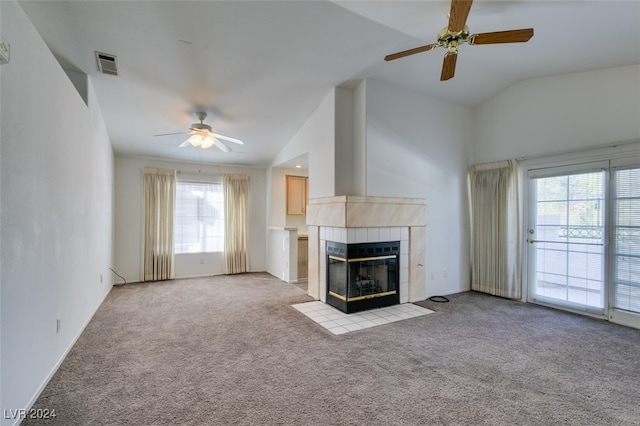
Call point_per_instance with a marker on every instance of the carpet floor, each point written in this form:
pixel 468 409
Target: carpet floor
pixel 231 350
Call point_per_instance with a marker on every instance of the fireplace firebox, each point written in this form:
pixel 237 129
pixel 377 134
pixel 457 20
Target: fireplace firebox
pixel 362 276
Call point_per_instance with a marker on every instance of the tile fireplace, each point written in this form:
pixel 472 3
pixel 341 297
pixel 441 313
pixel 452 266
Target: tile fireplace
pixel 348 236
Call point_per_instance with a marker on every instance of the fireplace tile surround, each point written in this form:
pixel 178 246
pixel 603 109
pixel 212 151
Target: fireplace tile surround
pixel 355 219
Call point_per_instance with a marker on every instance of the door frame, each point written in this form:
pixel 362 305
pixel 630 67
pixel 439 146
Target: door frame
pixel 622 153
pixel 529 250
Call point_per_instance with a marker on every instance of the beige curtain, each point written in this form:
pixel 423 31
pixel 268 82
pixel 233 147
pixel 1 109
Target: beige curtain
pixel 159 186
pixel 495 248
pixel 236 196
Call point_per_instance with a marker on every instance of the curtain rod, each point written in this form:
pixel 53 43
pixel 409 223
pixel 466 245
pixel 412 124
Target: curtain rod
pixel 576 150
pixel 198 173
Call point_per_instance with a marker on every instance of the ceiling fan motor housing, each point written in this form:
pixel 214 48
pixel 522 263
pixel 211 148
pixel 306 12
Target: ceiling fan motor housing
pixel 451 41
pixel 200 126
pixel 457 33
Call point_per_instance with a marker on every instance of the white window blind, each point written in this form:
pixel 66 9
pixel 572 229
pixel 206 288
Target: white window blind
pixel 199 218
pixel 626 239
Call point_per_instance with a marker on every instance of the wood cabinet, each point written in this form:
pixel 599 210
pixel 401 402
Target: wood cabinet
pixel 303 257
pixel 297 197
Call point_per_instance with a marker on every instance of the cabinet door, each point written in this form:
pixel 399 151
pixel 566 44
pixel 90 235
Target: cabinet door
pixel 296 194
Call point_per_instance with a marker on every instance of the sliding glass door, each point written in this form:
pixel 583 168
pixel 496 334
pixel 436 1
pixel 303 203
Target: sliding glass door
pixel 583 237
pixel 566 237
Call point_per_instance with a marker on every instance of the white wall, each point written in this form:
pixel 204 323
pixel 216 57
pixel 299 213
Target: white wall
pixel 417 147
pixel 398 144
pixel 282 247
pixel 359 185
pixel 1 233
pixel 316 137
pixel 278 199
pixel 559 113
pixel 282 253
pixel 319 131
pixel 344 142
pixel 57 212
pixel 129 212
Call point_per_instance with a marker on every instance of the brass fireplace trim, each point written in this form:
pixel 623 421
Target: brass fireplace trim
pixel 363 259
pixel 338 296
pixel 368 296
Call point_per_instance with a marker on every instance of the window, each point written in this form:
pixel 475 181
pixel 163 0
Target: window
pixel 626 238
pixel 199 218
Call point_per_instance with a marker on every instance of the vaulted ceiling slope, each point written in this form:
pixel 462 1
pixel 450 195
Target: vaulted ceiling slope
pixel 258 68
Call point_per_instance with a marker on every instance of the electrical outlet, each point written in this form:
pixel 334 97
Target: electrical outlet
pixel 433 276
pixel 58 321
pixel 202 261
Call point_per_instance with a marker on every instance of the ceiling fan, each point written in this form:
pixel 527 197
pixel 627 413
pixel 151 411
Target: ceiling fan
pixel 457 33
pixel 203 137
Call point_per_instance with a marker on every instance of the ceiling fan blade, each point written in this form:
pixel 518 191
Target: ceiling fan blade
pixel 184 144
pixel 228 139
pixel 411 52
pixel 449 66
pixel 169 134
pixel 511 36
pixel 458 15
pixel 222 146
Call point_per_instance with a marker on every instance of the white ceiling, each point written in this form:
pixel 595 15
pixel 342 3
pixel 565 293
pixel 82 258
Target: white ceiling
pixel 260 68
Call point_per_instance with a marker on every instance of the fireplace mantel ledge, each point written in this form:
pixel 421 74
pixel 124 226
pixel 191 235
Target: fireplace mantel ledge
pixel 350 211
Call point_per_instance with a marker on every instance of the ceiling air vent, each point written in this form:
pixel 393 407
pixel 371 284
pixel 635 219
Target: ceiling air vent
pixel 107 63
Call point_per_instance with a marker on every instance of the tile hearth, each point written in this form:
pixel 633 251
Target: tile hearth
pixel 338 322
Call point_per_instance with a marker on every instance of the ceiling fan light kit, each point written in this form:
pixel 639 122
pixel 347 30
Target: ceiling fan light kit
pixel 202 136
pixel 457 33
pixel 200 141
pixel 450 38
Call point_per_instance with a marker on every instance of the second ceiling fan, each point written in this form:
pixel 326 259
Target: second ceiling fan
pixel 202 136
pixel 457 33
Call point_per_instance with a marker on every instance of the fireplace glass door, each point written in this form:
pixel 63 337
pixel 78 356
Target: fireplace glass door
pixel 372 277
pixel 362 276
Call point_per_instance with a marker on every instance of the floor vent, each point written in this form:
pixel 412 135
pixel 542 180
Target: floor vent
pixel 107 63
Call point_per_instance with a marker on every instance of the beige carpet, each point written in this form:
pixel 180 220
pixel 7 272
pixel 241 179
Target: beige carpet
pixel 232 350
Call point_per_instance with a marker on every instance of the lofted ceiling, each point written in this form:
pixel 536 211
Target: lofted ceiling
pixel 259 68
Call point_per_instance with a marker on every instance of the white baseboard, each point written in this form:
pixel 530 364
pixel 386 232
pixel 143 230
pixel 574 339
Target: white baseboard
pixel 55 368
pixel 196 276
